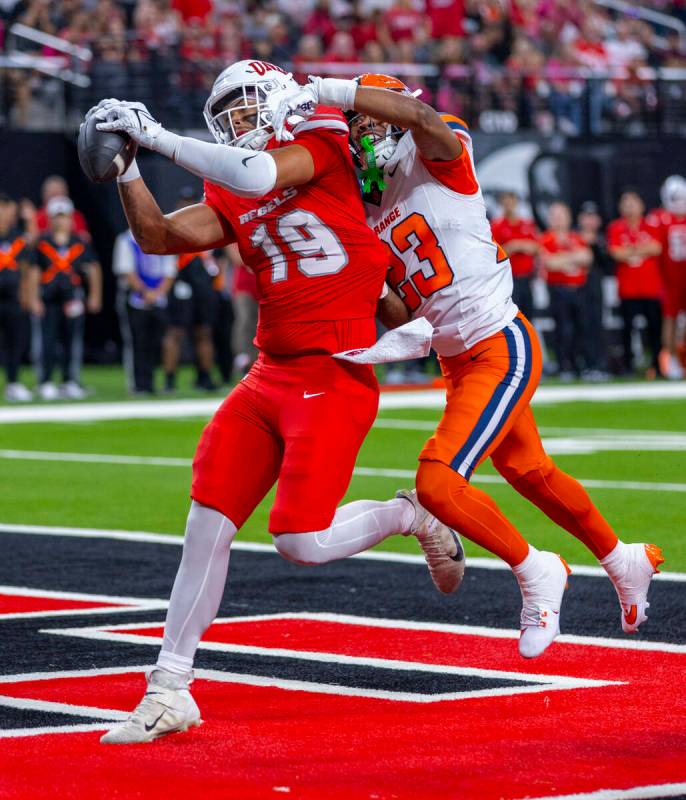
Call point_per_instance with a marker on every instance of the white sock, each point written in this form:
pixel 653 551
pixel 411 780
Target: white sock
pixel 356 527
pixel 198 588
pixel 530 568
pixel 615 561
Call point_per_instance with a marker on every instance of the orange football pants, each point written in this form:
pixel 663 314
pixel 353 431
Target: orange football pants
pixel 488 414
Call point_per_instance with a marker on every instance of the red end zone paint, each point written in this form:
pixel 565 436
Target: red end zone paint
pixel 22 604
pixel 319 745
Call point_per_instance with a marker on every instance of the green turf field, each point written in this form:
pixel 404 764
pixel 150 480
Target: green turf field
pixel 154 496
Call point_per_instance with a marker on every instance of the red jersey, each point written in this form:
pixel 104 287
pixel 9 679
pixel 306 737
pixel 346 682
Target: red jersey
pixel 672 230
pixel 319 267
pixel 504 231
pixel 551 243
pixel 639 278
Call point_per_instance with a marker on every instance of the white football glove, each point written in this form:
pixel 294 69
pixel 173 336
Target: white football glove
pixel 291 106
pixel 100 111
pixel 134 119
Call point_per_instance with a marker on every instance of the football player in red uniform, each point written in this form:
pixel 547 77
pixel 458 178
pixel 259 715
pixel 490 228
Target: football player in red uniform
pixel 300 415
pixel 670 220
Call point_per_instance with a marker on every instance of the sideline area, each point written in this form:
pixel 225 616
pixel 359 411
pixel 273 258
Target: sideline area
pixel 426 398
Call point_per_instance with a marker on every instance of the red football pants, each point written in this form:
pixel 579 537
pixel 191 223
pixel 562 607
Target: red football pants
pixel 300 420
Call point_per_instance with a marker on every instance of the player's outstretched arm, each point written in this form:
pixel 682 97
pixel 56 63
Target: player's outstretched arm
pixel 434 138
pixel 243 172
pixel 188 230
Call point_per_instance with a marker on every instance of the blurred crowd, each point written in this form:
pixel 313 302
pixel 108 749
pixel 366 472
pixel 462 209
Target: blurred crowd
pixel 532 59
pixel 202 307
pixel 199 307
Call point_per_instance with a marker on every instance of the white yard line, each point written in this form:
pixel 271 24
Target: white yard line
pixel 426 398
pixel 360 472
pixel 261 547
pixel 657 790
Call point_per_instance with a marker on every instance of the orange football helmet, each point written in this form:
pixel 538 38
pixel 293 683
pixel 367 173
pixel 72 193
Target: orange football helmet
pixel 382 138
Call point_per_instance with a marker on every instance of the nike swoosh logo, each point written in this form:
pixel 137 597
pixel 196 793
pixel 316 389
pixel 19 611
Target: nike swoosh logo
pixel 247 158
pixel 148 728
pixel 459 553
pixel 632 615
pixel 474 357
pixel 395 169
pixel 307 395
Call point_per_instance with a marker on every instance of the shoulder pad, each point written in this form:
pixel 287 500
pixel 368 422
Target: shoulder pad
pixel 324 119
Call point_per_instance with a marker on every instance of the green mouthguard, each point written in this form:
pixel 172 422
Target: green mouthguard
pixel 372 174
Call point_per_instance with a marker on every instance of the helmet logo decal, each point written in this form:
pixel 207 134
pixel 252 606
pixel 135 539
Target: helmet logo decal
pixel 263 67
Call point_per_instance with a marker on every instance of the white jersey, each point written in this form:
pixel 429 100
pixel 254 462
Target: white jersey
pixel 444 262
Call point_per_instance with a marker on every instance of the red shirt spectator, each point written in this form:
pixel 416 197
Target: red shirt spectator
pixel 638 273
pixel 446 16
pixel 192 9
pixel 403 21
pixel 555 243
pixel 518 236
pixel 672 229
pixel 321 24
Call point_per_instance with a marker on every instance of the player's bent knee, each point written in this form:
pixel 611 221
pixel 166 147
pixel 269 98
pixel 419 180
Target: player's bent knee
pixel 439 488
pixel 525 473
pixel 301 548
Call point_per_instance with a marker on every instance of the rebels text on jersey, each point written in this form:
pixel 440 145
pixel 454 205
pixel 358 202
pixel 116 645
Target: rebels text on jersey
pixel 444 263
pixel 319 267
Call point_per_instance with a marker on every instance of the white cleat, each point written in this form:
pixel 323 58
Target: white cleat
pixel 631 569
pixel 167 707
pixel 541 600
pixel 18 393
pixel 48 391
pixel 72 391
pixel 442 547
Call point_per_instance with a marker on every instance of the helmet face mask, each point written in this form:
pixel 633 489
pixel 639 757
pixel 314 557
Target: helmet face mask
pixel 382 136
pixel 237 111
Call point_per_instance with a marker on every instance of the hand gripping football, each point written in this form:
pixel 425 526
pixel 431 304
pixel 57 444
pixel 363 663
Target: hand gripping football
pixel 104 155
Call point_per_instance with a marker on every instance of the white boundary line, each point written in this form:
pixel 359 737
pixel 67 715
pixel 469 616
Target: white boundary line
pixel 434 627
pixel 259 547
pixel 541 682
pixel 657 791
pixel 109 633
pixel 366 472
pixel 425 398
pixel 119 604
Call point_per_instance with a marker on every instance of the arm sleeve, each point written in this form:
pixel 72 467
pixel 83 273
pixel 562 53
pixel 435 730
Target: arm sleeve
pixel 246 173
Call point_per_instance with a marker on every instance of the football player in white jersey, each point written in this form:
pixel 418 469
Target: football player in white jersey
pixel 423 199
